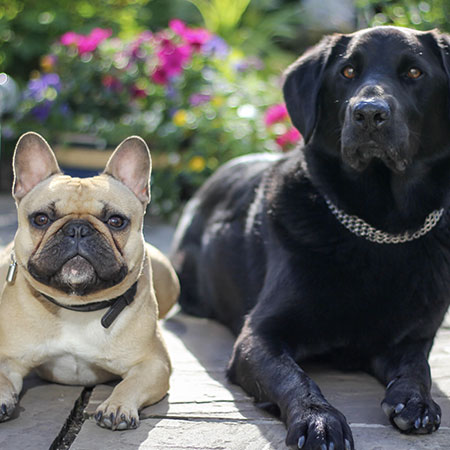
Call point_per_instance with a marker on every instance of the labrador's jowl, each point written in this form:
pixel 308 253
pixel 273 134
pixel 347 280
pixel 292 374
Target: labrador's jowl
pixel 340 250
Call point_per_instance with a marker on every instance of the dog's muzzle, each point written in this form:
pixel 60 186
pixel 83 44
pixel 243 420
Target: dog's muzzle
pixel 368 133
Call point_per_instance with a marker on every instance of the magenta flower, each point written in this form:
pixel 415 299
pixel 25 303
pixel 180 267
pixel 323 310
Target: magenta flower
pixel 275 113
pixel 70 38
pixel 292 136
pixel 159 76
pixel 199 99
pixel 86 44
pixel 171 58
pixel 137 92
pixel 195 37
pixel 112 83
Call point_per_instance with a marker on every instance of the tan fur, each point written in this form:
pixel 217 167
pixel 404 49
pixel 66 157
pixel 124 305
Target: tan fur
pixel 72 347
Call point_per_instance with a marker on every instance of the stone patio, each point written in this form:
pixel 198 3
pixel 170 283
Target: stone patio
pixel 203 410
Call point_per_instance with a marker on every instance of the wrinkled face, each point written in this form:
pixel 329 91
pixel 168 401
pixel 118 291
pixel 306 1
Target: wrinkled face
pixel 80 236
pixel 388 93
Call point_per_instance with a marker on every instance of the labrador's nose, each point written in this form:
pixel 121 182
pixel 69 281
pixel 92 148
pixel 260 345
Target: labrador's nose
pixel 371 114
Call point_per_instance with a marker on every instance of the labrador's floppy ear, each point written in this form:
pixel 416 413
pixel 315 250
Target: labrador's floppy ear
pixel 443 41
pixel 131 164
pixel 302 83
pixel 33 162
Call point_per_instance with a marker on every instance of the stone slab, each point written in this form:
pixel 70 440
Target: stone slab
pixel 204 411
pixel 42 411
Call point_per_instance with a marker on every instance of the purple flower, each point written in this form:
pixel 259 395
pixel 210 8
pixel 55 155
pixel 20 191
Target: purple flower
pixel 198 99
pixel 252 62
pixel 42 111
pixel 37 87
pixel 171 92
pixel 216 46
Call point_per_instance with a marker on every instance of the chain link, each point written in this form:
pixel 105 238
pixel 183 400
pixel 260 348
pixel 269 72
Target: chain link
pixel 361 228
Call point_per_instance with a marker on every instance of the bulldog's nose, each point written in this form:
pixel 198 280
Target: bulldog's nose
pixel 78 229
pixel 371 114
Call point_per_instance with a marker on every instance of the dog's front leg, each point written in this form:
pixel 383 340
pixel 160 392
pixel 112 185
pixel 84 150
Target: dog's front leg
pixel 144 384
pixel 266 370
pixel 11 381
pixel 405 371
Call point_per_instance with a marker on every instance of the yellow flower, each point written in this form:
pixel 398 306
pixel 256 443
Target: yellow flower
pixel 197 163
pixel 217 101
pixel 180 118
pixel 47 63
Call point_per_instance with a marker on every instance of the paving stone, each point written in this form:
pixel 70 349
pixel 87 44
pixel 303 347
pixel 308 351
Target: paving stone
pixel 42 412
pixel 154 434
pixel 204 411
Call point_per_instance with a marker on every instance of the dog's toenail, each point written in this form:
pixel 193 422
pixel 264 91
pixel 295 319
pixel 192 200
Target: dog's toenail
pixel 399 408
pixel 301 442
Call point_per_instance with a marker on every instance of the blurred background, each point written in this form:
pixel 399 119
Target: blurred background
pixel 199 80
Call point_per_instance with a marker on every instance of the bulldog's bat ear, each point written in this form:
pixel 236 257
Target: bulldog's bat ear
pixel 33 162
pixel 131 164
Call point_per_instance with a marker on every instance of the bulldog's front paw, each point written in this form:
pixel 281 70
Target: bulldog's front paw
pixel 320 427
pixel 409 410
pixel 8 402
pixel 116 416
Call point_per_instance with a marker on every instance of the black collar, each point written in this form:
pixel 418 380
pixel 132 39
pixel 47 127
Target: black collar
pixel 115 305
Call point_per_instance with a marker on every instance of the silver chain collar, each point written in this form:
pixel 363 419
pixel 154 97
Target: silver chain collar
pixel 362 229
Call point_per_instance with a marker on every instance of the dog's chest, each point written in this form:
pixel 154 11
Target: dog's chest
pixel 80 353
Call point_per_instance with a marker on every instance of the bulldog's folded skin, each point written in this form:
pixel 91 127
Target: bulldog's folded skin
pixel 80 305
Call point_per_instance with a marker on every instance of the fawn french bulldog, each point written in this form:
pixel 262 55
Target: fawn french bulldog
pixel 81 292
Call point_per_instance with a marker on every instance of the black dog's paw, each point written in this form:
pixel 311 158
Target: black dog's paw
pixel 409 410
pixel 320 428
pixel 8 404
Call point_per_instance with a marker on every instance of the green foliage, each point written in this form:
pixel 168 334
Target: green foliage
pixel 195 100
pixel 221 16
pixel 418 14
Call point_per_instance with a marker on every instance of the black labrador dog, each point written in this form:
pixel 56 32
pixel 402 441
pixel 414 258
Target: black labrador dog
pixel 339 250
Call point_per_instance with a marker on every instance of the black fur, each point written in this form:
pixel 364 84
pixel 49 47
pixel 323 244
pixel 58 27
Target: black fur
pixel 259 250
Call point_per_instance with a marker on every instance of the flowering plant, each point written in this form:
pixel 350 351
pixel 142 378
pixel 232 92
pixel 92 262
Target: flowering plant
pixel 195 100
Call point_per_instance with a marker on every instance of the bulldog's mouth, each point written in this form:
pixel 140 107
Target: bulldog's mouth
pixel 77 274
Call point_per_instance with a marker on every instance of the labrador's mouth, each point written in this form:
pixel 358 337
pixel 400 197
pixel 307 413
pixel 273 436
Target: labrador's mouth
pixel 360 157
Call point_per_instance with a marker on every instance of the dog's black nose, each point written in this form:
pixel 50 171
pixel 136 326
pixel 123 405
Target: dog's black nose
pixel 78 229
pixel 371 114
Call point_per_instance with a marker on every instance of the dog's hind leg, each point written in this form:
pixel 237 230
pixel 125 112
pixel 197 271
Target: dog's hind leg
pixel 405 371
pixel 268 372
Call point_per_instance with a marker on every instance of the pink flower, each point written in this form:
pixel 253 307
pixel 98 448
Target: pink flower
pixel 195 37
pixel 112 83
pixel 173 57
pixel 171 60
pixel 292 136
pixel 86 44
pixel 137 92
pixel 275 113
pixel 70 38
pixel 90 42
pixel 159 76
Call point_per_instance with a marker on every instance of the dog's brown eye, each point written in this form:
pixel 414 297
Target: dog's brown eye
pixel 116 222
pixel 41 220
pixel 414 73
pixel 349 72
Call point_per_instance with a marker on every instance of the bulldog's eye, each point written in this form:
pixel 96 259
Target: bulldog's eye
pixel 117 222
pixel 349 72
pixel 414 73
pixel 41 220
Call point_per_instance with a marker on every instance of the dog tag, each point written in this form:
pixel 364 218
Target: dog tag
pixel 11 275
